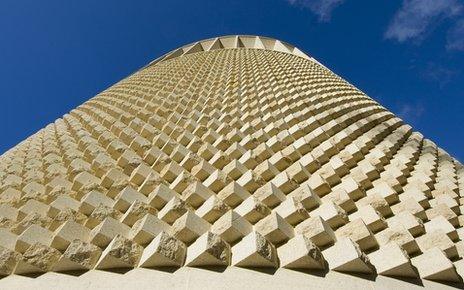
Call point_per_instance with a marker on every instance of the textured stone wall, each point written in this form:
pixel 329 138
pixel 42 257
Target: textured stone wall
pixel 232 157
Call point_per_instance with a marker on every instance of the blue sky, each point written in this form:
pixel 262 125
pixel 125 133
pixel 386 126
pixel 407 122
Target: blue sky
pixel 407 54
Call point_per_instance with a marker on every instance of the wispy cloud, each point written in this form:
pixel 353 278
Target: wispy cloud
pixel 411 113
pixel 455 39
pixel 322 8
pixel 416 18
pixel 438 73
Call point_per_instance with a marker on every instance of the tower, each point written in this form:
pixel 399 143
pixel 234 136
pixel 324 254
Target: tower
pixel 230 162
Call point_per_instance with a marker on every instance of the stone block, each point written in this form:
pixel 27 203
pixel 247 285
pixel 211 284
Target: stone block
pixel 358 232
pixel 233 194
pixel 120 253
pixel 275 229
pixel 437 239
pixel 284 183
pixel 254 251
pixel 68 232
pixel 163 251
pixel 266 170
pixel 250 181
pixel 208 250
pixel 136 211
pixel 10 194
pixel 346 256
pixel 341 198
pixel 354 190
pixel 62 203
pixel 377 202
pixel 173 210
pixel 410 205
pixel 78 256
pixel 151 182
pixel 126 197
pixel 8 261
pixel 392 260
pixel 114 177
pixel 109 228
pixel 91 200
pixel 99 214
pixel 400 236
pixel 333 214
pixel 309 162
pixel 306 196
pixel 38 258
pixel 84 181
pixel 270 195
pixel 440 223
pixel 442 210
pixel 372 218
pixel 202 170
pixel 196 194
pixel 407 220
pixel 231 227
pixel 300 253
pixel 434 265
pixel 140 173
pixel 7 239
pixel 159 197
pixel 220 159
pixel 212 209
pixel 129 160
pixel 144 230
pixel 235 169
pixel 279 161
pixel 252 209
pixel 327 173
pixel 416 194
pixel 182 181
pixel 318 185
pixel 32 235
pixel 384 190
pixel 189 227
pixel 190 160
pixel 170 171
pixel 292 210
pixel 11 213
pixel 34 206
pixel 297 172
pixel 317 230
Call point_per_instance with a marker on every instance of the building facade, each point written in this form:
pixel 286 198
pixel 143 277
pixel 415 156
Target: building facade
pixel 238 161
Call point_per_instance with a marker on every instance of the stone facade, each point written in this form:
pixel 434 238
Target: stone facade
pixel 238 151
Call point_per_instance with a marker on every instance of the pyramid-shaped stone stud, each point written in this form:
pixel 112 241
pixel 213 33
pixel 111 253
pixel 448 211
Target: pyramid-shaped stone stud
pixel 391 260
pixel 254 251
pixel 79 256
pixel 164 251
pixel 231 227
pixel 38 258
pixel 346 256
pixel 120 253
pixel 8 261
pixel 300 253
pixel 208 250
pixel 434 265
pixel 147 228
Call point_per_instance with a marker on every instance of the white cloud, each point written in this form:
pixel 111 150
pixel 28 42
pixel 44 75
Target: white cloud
pixel 455 39
pixel 416 17
pixel 411 113
pixel 322 8
pixel 438 73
